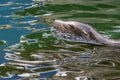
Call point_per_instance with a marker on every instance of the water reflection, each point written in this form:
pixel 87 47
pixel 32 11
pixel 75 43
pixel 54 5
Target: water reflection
pixel 55 54
pixel 41 55
pixel 12 27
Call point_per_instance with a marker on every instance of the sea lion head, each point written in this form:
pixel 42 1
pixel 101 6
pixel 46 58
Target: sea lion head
pixel 75 31
pixel 64 26
pixel 76 28
pixel 80 32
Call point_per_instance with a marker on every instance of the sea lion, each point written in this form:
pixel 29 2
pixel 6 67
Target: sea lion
pixel 83 33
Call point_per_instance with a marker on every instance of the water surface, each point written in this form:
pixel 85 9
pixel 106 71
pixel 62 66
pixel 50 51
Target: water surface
pixel 30 42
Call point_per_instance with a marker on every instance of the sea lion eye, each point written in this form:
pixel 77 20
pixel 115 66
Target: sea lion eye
pixel 69 27
pixel 66 26
pixel 72 27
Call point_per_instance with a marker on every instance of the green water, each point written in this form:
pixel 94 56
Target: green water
pixel 2 42
pixel 102 15
pixel 102 63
